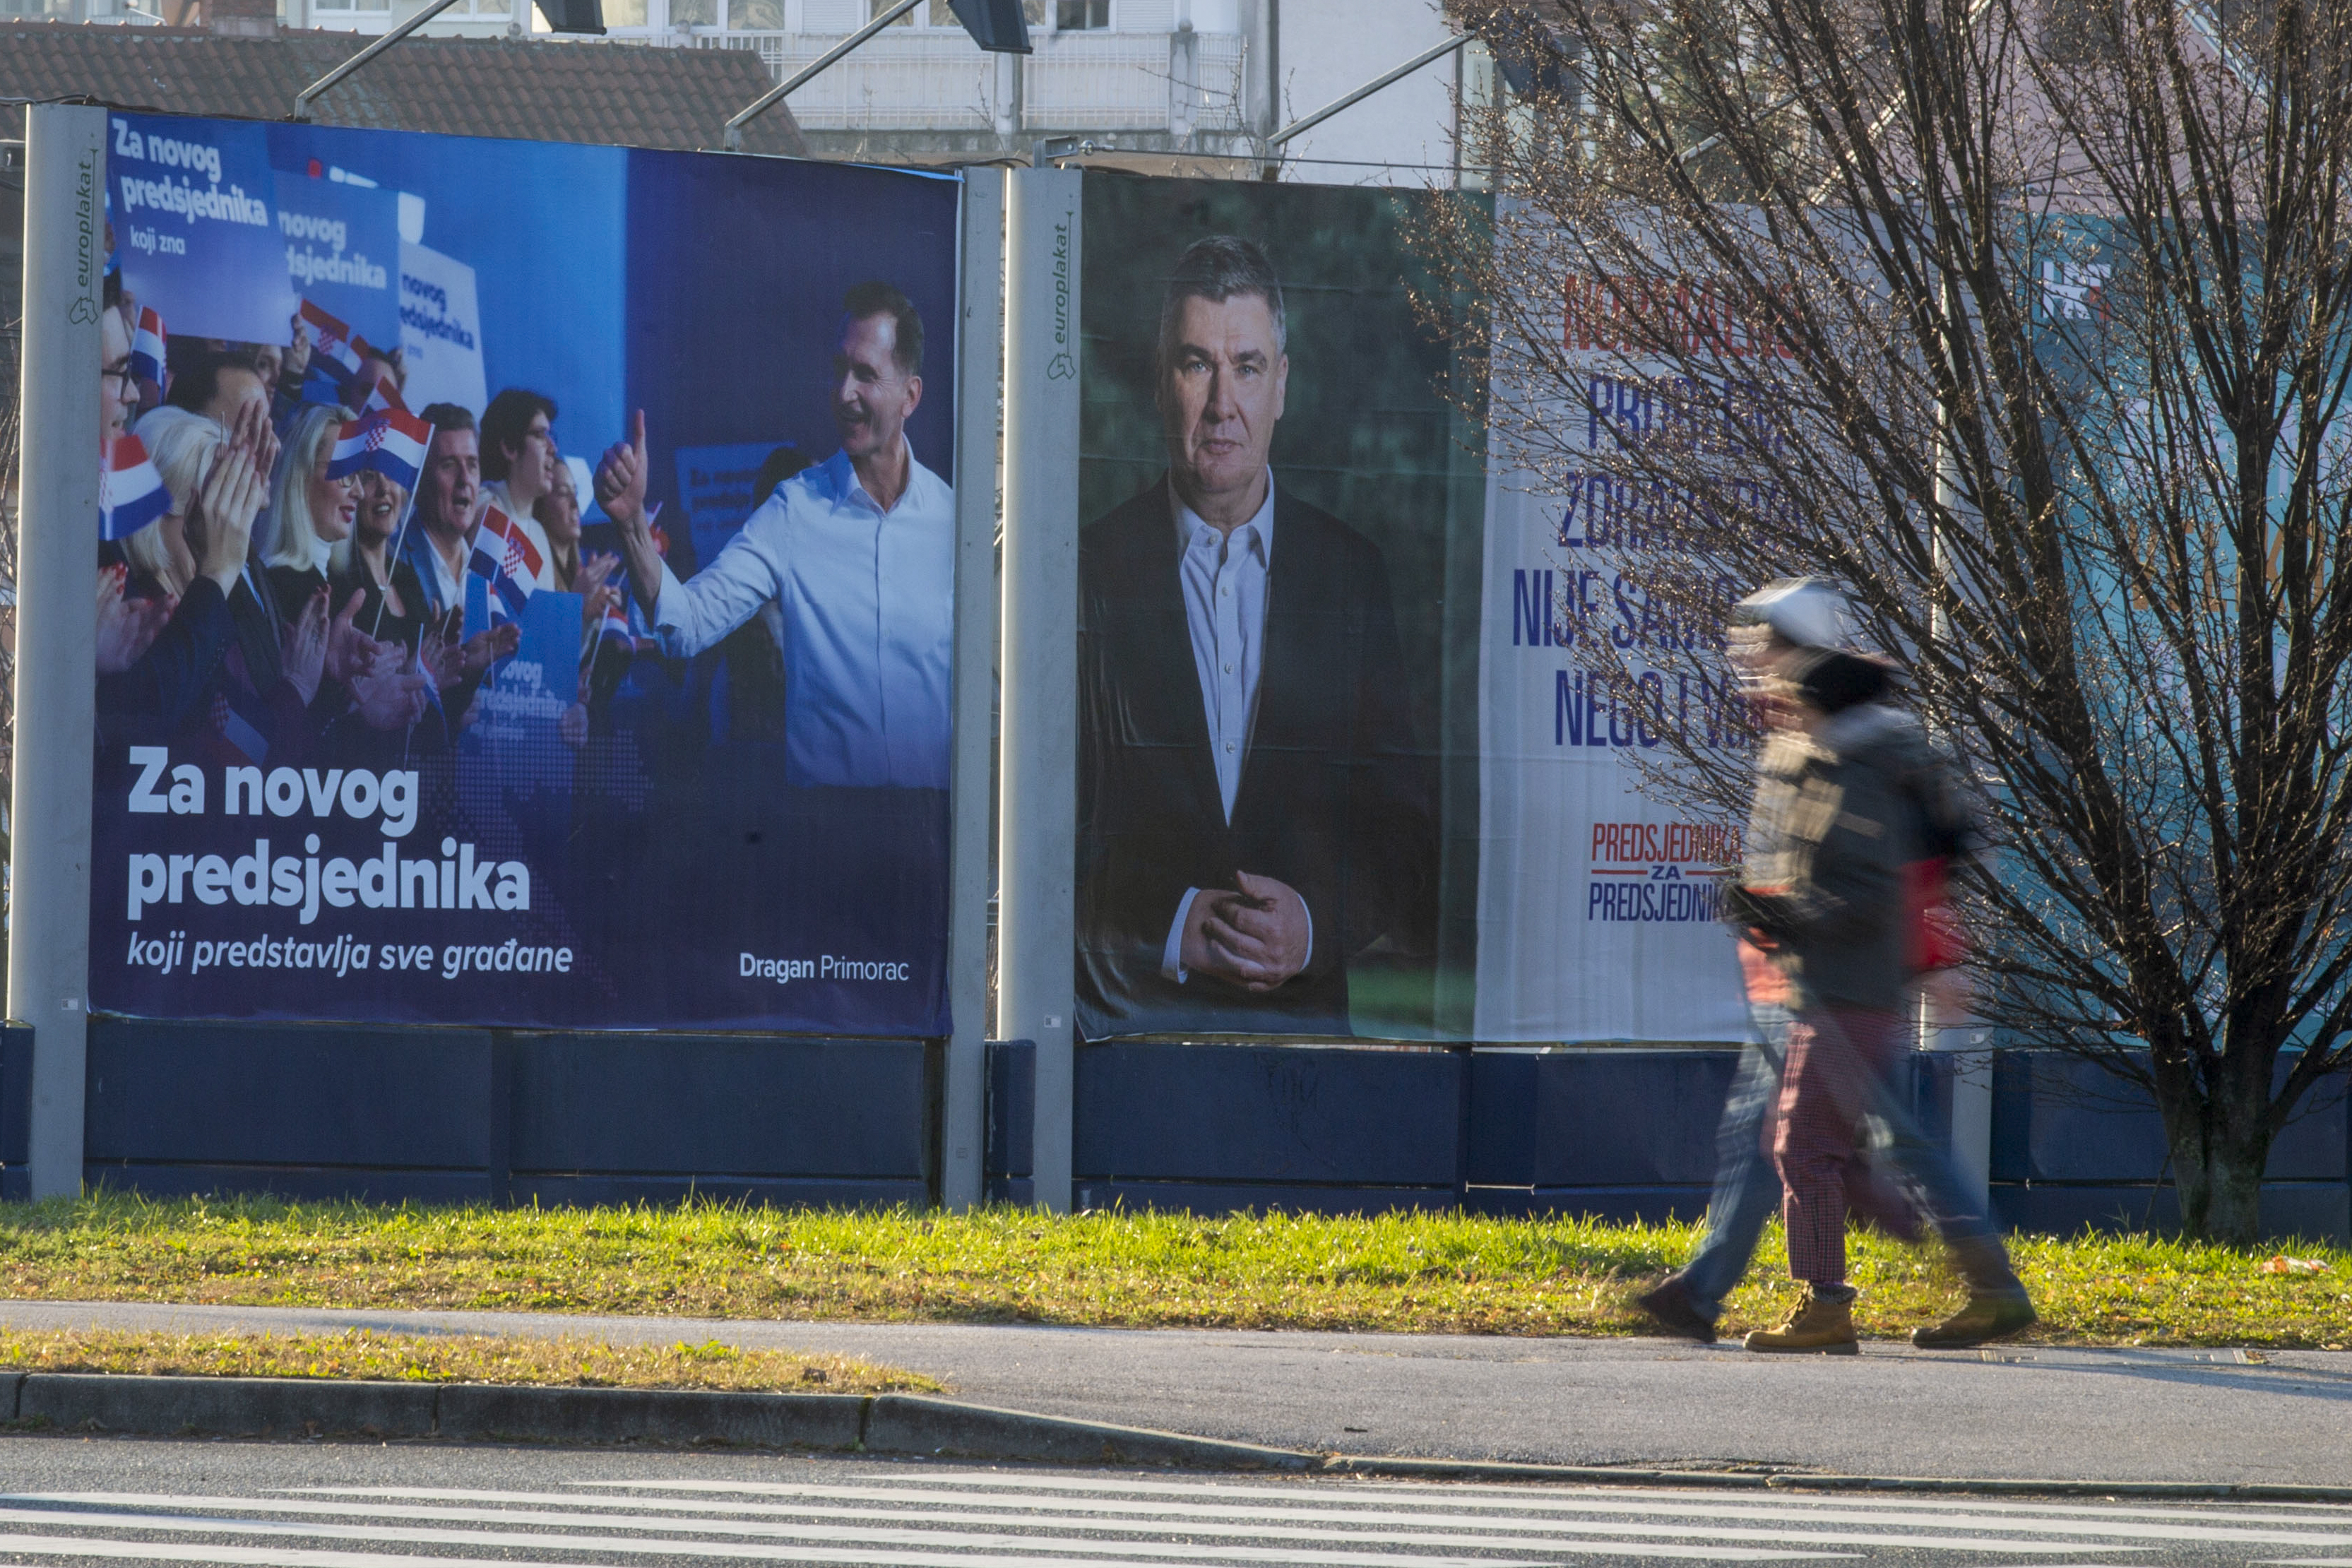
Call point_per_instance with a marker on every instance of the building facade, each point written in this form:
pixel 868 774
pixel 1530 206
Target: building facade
pixel 1167 86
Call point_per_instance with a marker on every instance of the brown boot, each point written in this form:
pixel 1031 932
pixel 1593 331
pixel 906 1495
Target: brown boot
pixel 1817 1327
pixel 1989 1316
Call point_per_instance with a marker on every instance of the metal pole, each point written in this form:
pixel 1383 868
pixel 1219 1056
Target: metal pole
pixel 775 94
pixel 56 634
pixel 979 406
pixel 1365 91
pixel 302 99
pixel 1036 933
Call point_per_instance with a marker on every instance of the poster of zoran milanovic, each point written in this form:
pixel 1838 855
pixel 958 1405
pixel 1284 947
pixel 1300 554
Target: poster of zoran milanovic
pixel 526 588
pixel 1341 775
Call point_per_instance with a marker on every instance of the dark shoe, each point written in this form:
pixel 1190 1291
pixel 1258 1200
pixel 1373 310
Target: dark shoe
pixel 1669 1305
pixel 1817 1328
pixel 1986 1316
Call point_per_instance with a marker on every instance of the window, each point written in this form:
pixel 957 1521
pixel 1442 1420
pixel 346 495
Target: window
pixel 1081 15
pixel 935 15
pixel 693 13
pixel 761 15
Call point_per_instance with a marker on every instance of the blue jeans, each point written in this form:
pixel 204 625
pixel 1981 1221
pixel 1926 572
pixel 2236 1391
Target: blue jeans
pixel 1747 1189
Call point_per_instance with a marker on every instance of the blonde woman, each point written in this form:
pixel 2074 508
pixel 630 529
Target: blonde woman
pixel 180 445
pixel 309 514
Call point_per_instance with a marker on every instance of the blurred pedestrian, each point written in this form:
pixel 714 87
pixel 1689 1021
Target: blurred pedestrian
pixel 1850 800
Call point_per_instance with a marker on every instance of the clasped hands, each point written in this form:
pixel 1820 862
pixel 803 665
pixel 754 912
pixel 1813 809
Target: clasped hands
pixel 1255 935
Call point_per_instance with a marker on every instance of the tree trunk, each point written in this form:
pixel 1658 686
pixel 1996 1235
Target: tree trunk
pixel 2218 1167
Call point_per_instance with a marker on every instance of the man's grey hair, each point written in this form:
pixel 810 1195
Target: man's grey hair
pixel 1220 268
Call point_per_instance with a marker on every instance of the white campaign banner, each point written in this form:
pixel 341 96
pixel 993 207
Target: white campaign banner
pixel 1598 909
pixel 440 329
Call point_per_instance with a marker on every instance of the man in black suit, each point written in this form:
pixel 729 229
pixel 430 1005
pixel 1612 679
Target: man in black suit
pixel 1252 809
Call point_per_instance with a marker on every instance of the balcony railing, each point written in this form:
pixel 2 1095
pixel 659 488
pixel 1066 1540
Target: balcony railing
pixel 1174 82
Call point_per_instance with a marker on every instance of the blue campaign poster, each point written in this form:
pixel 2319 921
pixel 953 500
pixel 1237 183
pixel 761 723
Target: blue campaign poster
pixel 718 487
pixel 638 791
pixel 342 247
pixel 195 227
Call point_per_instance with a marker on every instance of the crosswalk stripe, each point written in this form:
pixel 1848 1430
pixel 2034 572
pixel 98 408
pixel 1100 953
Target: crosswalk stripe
pixel 1052 1512
pixel 2041 1524
pixel 272 1556
pixel 864 1540
pixel 1456 1494
pixel 1496 1533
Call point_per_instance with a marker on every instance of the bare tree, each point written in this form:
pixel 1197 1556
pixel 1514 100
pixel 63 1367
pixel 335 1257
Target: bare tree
pixel 2026 320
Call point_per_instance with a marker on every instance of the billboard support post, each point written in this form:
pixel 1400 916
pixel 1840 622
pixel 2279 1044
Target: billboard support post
pixel 980 407
pixel 1036 932
pixel 56 634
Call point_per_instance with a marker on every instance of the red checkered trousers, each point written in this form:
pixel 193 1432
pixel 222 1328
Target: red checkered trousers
pixel 1837 1057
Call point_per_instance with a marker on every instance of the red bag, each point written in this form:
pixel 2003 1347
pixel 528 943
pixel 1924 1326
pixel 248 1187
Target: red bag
pixel 1933 936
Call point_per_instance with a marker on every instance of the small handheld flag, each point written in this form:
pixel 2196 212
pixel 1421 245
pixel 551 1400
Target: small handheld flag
pixel 520 556
pixel 334 355
pixel 331 340
pixel 147 357
pixel 378 398
pixel 391 442
pixel 131 493
pixel 506 559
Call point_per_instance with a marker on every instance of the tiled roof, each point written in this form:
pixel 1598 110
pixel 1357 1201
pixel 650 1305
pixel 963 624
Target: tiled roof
pixel 608 94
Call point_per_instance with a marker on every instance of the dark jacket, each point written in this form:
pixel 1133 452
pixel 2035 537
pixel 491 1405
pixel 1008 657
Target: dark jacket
pixel 1837 817
pixel 1334 799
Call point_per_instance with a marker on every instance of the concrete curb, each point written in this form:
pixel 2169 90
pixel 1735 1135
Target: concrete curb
pixel 908 1425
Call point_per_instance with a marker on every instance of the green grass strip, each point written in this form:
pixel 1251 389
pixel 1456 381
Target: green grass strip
pixel 1451 1273
pixel 452 1358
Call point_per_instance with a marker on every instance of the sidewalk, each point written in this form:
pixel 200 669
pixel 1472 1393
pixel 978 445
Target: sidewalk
pixel 2279 1417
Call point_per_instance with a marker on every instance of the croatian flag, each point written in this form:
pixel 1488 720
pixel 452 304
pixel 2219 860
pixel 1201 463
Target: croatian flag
pixel 613 630
pixel 616 630
pixel 505 558
pixel 334 359
pixel 381 397
pixel 131 493
pixel 391 442
pixel 147 359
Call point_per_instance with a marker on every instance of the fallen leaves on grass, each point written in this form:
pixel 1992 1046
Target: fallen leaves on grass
pixel 451 1358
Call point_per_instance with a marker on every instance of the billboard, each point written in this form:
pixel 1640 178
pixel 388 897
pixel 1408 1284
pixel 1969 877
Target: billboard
pixel 425 693
pixel 1338 777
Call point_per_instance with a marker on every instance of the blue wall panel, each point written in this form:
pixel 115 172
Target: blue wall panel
pixel 235 1094
pixel 1628 1117
pixel 2058 1118
pixel 15 1109
pixel 1286 1116
pixel 718 1104
pixel 1502 1133
pixel 456 1115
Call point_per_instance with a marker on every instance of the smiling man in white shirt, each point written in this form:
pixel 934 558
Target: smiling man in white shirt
pixel 859 555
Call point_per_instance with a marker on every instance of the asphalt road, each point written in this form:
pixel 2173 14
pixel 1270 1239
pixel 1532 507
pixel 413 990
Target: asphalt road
pixel 72 1500
pixel 2160 1415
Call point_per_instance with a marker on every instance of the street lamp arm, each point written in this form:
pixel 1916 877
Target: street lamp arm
pixel 302 99
pixel 775 95
pixel 1365 91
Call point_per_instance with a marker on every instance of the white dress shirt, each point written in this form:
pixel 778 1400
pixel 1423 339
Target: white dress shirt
pixel 868 598
pixel 1224 577
pixel 450 584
